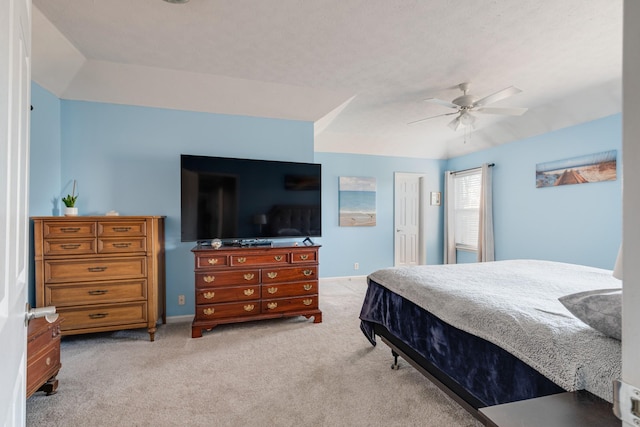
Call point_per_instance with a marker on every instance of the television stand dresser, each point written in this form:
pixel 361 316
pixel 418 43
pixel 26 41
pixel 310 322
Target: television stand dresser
pixel 102 273
pixel 241 284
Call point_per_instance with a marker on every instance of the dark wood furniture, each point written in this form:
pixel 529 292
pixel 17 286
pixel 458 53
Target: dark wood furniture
pixel 102 273
pixel 570 409
pixel 43 356
pixel 240 284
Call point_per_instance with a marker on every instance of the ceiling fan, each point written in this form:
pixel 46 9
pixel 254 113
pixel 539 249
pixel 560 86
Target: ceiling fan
pixel 466 104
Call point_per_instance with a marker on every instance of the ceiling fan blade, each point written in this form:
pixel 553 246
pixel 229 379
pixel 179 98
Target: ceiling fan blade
pixel 432 117
pixel 495 97
pixel 442 102
pixel 508 111
pixel 455 123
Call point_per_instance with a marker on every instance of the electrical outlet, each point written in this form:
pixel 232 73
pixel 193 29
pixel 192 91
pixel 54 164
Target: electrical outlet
pixel 180 299
pixel 356 265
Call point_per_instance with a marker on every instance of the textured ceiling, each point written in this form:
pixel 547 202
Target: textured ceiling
pixel 359 69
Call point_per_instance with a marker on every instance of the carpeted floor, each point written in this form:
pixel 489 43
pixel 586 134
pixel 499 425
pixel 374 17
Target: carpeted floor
pixel 284 372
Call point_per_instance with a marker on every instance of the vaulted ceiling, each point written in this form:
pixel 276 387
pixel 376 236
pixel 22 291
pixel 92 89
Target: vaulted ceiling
pixel 359 69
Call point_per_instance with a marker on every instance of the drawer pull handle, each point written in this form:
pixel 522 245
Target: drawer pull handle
pixel 209 311
pixel 307 301
pixel 278 257
pixel 272 274
pixel 70 229
pixel 249 276
pixel 121 245
pixel 209 279
pixel 272 305
pixel 242 260
pixel 212 261
pixel 307 286
pixel 272 290
pixel 249 307
pixel 248 292
pixel 70 246
pixel 307 272
pixel 96 269
pixel 48 361
pixel 209 295
pixel 98 292
pixel 304 257
pixel 98 315
pixel 121 229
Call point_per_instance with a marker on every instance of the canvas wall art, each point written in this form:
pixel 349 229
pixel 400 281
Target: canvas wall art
pixel 357 200
pixel 577 170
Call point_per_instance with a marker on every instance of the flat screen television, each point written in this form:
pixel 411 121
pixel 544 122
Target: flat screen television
pixel 239 200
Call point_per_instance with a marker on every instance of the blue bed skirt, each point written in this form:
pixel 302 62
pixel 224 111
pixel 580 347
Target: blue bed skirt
pixel 485 371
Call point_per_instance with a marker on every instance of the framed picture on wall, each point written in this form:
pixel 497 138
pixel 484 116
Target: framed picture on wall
pixel 578 170
pixel 357 201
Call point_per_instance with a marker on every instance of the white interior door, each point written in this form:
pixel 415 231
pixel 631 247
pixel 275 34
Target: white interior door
pixel 408 220
pixel 15 83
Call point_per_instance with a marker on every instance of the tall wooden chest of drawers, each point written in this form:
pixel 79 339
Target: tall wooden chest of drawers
pixel 102 273
pixel 240 284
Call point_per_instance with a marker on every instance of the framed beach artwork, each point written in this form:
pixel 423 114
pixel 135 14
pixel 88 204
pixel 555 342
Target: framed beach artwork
pixel 577 170
pixel 357 199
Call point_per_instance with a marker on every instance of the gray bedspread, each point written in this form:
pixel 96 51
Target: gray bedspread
pixel 514 304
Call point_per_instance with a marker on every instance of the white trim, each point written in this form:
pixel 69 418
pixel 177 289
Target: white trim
pixel 179 319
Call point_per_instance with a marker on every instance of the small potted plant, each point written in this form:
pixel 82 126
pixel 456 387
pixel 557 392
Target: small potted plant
pixel 70 202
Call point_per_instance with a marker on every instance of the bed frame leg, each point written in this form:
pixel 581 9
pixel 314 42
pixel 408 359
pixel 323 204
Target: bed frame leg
pixel 395 365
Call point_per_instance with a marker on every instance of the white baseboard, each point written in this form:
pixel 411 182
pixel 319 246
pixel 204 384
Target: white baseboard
pixel 180 319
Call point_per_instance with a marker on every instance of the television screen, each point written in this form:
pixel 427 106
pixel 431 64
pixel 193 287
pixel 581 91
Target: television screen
pixel 242 199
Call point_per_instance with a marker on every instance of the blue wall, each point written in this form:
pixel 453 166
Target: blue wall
pixel 372 247
pixel 126 158
pixel 580 224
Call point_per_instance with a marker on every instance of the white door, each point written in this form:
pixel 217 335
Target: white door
pixel 15 83
pixel 408 220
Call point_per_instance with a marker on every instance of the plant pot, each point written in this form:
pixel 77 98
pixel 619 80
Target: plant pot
pixel 70 211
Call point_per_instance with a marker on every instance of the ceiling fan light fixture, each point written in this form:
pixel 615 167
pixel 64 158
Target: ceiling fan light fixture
pixel 177 1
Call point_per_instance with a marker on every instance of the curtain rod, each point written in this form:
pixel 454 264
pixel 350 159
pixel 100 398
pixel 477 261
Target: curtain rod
pixel 470 169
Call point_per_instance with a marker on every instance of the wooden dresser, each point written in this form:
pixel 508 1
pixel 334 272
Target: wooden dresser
pixel 240 284
pixel 102 273
pixel 43 356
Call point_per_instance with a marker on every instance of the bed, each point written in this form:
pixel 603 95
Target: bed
pixel 498 332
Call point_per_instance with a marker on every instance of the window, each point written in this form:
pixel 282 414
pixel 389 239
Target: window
pixel 467 208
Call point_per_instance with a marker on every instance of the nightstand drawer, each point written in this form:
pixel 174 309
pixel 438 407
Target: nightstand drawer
pixel 58 271
pixel 103 315
pixel 122 228
pixel 234 309
pixel 274 275
pixel 71 229
pixel 279 290
pixel 230 294
pixel 53 247
pixel 126 245
pixel 226 278
pixel 43 366
pixel 96 293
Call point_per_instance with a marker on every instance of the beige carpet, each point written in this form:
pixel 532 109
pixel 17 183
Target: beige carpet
pixel 285 372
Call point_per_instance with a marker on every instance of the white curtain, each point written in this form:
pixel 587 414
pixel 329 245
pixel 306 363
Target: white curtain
pixel 485 232
pixel 449 223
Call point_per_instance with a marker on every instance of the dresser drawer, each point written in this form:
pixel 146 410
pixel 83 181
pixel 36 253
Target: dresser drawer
pixel 59 271
pixel 290 304
pixel 271 258
pixel 96 293
pixel 234 309
pixel 68 229
pixel 75 246
pixel 275 275
pixel 208 261
pixel 230 294
pixel 102 315
pixel 226 278
pixel 122 245
pixel 280 290
pixel 304 256
pixel 122 228
pixel 44 365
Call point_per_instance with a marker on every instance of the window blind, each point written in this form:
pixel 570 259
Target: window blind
pixel 467 208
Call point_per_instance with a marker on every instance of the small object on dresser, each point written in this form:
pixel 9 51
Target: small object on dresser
pixel 216 243
pixel 112 213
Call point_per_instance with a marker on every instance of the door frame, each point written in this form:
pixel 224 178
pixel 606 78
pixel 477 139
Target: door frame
pixel 422 211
